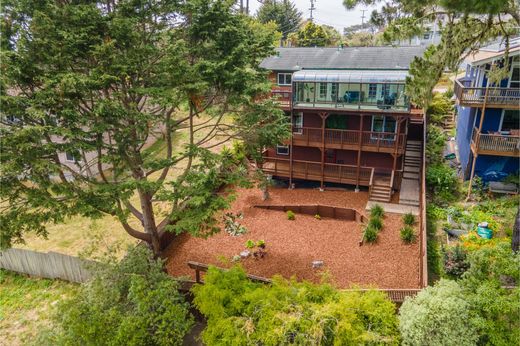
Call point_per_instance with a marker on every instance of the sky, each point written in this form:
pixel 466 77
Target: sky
pixel 329 12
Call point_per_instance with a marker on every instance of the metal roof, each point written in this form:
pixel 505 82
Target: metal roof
pixel 380 76
pixel 348 58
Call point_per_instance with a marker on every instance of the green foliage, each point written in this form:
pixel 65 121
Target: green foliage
pixel 376 223
pixel 433 215
pixel 442 182
pixel 130 74
pixel 370 234
pixel 440 106
pixel 455 262
pixel 409 219
pixel 240 312
pixel 232 226
pixel 317 217
pixel 291 215
pixel 408 235
pixel 313 35
pixel 438 315
pixel 133 302
pixel 284 13
pixel 377 211
pixel 250 244
pixel 436 142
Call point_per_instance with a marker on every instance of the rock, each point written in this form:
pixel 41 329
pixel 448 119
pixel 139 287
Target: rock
pixel 317 264
pixel 245 254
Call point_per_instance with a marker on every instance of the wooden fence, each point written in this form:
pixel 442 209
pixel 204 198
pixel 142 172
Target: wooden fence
pixel 51 265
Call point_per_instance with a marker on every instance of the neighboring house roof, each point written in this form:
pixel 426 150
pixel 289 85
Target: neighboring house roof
pixel 348 58
pixel 494 51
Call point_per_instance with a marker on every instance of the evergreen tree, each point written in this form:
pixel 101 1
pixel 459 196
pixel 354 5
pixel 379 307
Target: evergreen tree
pixel 97 80
pixel 313 35
pixel 283 12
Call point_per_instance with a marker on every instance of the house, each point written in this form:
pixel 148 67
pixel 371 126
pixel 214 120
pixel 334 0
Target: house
pixel 351 120
pixel 488 136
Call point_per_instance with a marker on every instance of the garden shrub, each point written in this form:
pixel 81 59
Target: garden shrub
pixel 370 234
pixel 240 312
pixel 442 182
pixel 436 141
pixel 408 234
pixel 439 107
pixel 409 219
pixel 291 215
pixel 438 315
pixel 377 211
pixel 133 302
pixel 455 262
pixel 376 223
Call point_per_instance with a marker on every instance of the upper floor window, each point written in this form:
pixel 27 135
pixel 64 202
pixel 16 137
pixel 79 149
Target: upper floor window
pixel 510 120
pixel 71 157
pixel 284 78
pixel 298 123
pixel 381 123
pixel 282 150
pixel 514 81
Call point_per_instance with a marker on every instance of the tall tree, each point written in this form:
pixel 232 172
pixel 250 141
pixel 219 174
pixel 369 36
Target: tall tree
pixel 313 35
pixel 465 25
pixel 97 80
pixel 283 12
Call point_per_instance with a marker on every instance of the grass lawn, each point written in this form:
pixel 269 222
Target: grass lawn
pixel 26 304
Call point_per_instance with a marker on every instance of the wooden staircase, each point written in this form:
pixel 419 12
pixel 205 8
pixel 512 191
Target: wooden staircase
pixel 410 191
pixel 381 186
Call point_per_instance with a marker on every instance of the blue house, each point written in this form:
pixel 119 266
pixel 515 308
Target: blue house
pixel 488 136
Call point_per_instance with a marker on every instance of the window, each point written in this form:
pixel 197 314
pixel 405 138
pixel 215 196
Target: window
pixel 372 91
pixel 426 36
pixel 71 158
pixel 510 120
pixel 284 78
pixel 514 81
pixel 282 150
pixel 323 90
pixel 383 124
pixel 298 123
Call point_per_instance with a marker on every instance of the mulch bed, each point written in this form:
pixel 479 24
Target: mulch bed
pixel 293 245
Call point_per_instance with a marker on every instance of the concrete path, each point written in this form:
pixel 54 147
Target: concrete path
pixel 395 208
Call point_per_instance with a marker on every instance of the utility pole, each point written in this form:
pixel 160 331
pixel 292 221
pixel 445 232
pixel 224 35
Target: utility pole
pixel 363 17
pixel 312 8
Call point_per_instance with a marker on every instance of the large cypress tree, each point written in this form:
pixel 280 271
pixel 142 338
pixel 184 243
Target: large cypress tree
pixel 283 13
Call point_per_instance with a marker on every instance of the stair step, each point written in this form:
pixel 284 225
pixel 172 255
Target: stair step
pixel 410 175
pixel 410 153
pixel 411 141
pixel 412 164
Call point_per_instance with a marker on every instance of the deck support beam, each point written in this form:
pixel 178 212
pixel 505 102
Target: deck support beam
pixel 360 143
pixel 475 154
pixel 323 116
pixel 291 150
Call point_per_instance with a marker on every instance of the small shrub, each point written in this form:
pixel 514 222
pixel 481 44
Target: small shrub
pixel 377 211
pixel 250 244
pixel 232 226
pixel 408 234
pixel 317 217
pixel 260 243
pixel 409 219
pixel 376 223
pixel 370 234
pixel 455 262
pixel 291 215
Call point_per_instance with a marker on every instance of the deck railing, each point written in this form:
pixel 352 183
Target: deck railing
pixel 335 137
pixel 496 97
pixel 497 143
pixel 312 170
pixel 283 97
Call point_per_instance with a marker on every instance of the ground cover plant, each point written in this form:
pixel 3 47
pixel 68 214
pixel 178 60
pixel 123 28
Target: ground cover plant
pixel 374 225
pixel 27 305
pixel 241 312
pixel 408 234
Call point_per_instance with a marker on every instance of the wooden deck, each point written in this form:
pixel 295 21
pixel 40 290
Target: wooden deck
pixel 310 170
pixel 496 97
pixel 495 144
pixel 385 142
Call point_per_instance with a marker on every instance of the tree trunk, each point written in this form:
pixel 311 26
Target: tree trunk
pixel 515 244
pixel 149 221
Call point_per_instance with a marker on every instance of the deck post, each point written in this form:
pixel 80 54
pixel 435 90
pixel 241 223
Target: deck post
pixel 360 143
pixel 475 153
pixel 323 116
pixel 291 150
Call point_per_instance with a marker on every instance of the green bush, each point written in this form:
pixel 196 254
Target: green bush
pixel 370 234
pixel 442 182
pixel 241 312
pixel 291 215
pixel 408 234
pixel 455 262
pixel 250 244
pixel 376 223
pixel 377 211
pixel 133 302
pixel 409 219
pixel 436 141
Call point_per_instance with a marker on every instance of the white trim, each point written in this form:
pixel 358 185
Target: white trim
pixel 384 126
pixel 282 146
pixel 513 65
pixel 299 126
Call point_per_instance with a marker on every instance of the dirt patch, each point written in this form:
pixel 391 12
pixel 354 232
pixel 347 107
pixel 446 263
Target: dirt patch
pixel 293 245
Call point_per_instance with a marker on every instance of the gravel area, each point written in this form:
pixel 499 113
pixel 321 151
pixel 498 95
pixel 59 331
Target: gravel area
pixel 293 245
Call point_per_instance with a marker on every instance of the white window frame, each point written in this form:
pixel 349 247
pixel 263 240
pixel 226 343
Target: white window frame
pixel 284 74
pixel 74 159
pixel 515 64
pixel 384 126
pixel 278 147
pixel 298 125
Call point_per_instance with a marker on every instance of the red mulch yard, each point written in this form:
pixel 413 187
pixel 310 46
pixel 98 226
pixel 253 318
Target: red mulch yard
pixel 292 245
